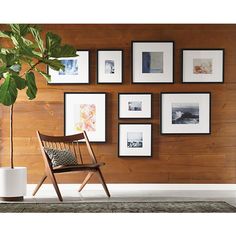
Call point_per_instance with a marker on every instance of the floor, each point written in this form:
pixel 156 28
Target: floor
pixel 47 194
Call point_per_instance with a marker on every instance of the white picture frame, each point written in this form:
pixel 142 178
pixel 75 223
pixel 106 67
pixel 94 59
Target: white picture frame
pixel 135 105
pixel 76 70
pixel 152 62
pixel 135 140
pixel 203 65
pixel 85 111
pixel 109 66
pixel 185 113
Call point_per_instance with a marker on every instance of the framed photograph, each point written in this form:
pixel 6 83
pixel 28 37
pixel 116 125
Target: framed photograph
pixel 152 62
pixel 185 113
pixel 203 65
pixel 76 70
pixel 85 111
pixel 109 66
pixel 135 140
pixel 135 105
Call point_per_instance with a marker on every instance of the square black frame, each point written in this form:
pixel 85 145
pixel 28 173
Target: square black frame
pixel 89 71
pixel 154 41
pixel 133 157
pixel 201 49
pixel 104 111
pixel 210 116
pixel 151 94
pixel 122 65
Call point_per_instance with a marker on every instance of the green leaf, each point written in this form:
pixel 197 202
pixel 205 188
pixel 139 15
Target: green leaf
pixel 45 75
pixel 64 51
pixel 52 42
pixel 5 34
pixel 31 84
pixel 36 34
pixel 8 91
pixel 20 83
pixel 54 64
pixel 21 29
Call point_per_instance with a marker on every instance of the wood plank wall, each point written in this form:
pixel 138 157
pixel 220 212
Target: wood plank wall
pixel 176 159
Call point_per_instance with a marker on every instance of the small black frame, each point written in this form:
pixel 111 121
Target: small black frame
pixel 161 121
pixel 122 65
pixel 133 93
pixel 132 157
pixel 65 93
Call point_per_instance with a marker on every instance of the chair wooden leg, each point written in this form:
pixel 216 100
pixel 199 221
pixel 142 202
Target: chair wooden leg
pixel 87 178
pixel 39 184
pixel 55 185
pixel 103 182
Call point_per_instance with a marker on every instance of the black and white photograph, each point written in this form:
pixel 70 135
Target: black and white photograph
pixel 76 70
pixel 203 65
pixel 135 140
pixel 109 66
pixel 152 62
pixel 185 113
pixel 135 105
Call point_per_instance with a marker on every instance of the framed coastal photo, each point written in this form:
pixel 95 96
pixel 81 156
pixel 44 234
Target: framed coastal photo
pixel 152 62
pixel 203 65
pixel 85 111
pixel 109 66
pixel 185 113
pixel 135 140
pixel 135 105
pixel 76 70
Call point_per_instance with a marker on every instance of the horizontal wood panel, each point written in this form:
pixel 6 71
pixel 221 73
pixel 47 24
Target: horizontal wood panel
pixel 176 158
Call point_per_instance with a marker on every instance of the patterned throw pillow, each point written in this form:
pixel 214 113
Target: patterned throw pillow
pixel 61 157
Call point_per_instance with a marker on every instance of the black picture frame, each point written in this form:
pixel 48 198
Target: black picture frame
pixel 133 93
pixel 135 156
pixel 105 110
pixel 179 133
pixel 154 41
pixel 122 64
pixel 202 49
pixel 89 71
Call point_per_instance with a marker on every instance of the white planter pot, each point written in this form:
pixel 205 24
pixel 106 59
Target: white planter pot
pixel 13 183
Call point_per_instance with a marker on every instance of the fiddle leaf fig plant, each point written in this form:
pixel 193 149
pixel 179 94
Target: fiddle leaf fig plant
pixel 20 59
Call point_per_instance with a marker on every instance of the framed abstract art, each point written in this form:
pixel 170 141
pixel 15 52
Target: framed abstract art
pixel 152 62
pixel 203 65
pixel 85 111
pixel 185 113
pixel 76 70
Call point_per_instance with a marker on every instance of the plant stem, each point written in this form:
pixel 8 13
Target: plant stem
pixel 11 136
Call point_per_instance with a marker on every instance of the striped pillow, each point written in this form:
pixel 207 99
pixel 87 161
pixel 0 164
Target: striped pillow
pixel 61 157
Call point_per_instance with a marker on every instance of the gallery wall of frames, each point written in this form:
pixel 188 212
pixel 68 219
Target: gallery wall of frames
pixel 157 102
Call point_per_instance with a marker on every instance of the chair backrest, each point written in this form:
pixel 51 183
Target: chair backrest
pixel 70 142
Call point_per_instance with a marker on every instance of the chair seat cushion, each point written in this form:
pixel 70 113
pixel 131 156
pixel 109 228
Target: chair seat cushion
pixel 61 157
pixel 79 167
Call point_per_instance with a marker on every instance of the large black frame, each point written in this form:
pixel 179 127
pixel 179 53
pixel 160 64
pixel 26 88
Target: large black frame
pixel 65 93
pixel 133 93
pixel 161 121
pixel 201 49
pixel 89 70
pixel 132 157
pixel 154 41
pixel 122 65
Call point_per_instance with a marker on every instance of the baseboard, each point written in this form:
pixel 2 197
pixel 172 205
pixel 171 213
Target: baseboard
pixel 144 187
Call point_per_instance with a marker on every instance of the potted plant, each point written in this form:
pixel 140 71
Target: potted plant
pixel 24 50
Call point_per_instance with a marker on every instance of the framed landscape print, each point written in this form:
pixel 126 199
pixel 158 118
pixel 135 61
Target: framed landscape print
pixel 135 105
pixel 85 111
pixel 109 66
pixel 152 62
pixel 186 113
pixel 203 65
pixel 135 140
pixel 76 70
